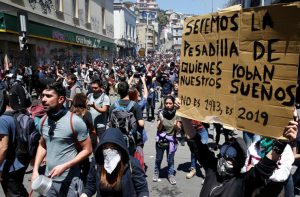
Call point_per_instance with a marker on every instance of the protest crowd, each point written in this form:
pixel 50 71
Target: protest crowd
pixel 60 120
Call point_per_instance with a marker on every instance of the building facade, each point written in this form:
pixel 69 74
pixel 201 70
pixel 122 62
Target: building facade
pixel 65 30
pixel 171 36
pixel 125 29
pixel 147 22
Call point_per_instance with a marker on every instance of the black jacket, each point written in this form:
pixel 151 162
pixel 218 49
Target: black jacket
pixel 240 185
pixel 133 183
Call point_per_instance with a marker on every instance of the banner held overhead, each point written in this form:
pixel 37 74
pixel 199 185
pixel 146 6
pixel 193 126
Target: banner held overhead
pixel 240 67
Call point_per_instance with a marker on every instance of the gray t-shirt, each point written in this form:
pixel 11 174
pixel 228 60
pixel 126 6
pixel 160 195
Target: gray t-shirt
pixel 100 119
pixel 61 146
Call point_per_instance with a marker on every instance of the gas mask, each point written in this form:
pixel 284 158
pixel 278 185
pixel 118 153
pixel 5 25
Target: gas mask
pixel 112 158
pixel 225 168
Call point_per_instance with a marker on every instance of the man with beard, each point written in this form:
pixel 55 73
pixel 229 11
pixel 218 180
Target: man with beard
pixel 61 135
pixel 72 89
pixel 99 105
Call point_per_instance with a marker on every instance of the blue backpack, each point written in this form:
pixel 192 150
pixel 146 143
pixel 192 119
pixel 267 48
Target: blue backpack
pixel 27 136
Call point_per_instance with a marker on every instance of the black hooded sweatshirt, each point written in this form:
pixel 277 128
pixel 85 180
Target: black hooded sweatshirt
pixel 133 183
pixel 237 186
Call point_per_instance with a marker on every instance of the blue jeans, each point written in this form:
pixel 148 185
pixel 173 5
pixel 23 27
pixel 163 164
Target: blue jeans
pixel 289 187
pixel 296 175
pixel 159 158
pixel 249 138
pixel 204 139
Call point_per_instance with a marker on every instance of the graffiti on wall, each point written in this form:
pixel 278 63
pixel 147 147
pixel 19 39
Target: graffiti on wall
pixel 46 5
pixel 95 24
pixel 110 30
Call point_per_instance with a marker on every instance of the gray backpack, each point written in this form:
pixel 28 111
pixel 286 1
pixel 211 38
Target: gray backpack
pixel 123 118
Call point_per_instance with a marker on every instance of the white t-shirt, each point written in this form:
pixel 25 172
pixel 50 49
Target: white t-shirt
pixel 100 119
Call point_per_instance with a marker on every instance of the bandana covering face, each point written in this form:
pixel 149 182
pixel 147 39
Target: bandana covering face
pixel 111 159
pixel 169 114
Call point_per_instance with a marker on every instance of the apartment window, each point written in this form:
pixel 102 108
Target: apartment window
pixel 126 29
pixel 133 32
pixel 59 5
pixel 255 3
pixel 75 8
pixel 103 19
pixel 87 11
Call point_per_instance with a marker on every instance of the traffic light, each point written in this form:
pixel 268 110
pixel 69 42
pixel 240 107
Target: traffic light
pixel 23 43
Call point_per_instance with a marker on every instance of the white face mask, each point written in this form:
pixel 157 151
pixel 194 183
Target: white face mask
pixel 111 159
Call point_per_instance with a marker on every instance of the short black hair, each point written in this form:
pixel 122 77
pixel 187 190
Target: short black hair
pixel 123 89
pixel 97 81
pixel 72 77
pixel 58 88
pixel 169 97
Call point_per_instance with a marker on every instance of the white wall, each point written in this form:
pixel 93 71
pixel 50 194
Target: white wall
pixel 123 17
pixel 45 13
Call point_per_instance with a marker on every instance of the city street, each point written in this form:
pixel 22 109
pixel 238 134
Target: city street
pixel 162 188
pixel 183 188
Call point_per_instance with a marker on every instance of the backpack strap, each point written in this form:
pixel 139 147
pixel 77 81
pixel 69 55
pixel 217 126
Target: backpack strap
pixel 130 105
pixel 43 122
pixel 78 146
pixel 117 105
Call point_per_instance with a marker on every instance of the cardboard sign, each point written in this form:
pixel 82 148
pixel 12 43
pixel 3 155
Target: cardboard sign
pixel 239 67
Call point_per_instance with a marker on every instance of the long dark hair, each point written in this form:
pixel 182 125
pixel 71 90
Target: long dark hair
pixel 112 181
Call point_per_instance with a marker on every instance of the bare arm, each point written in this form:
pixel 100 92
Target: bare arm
pixel 130 80
pixel 290 132
pixel 40 155
pixel 83 154
pixel 4 139
pixel 145 93
pixel 159 125
pixel 141 123
pixel 102 109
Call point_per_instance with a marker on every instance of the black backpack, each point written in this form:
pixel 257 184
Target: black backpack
pixel 27 136
pixel 123 118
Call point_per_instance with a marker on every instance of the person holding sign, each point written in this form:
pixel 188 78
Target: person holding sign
pixel 223 174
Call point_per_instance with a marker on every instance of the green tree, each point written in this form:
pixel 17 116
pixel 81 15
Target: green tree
pixel 162 18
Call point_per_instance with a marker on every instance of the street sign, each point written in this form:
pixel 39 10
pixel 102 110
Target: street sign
pixel 22 22
pixel 142 52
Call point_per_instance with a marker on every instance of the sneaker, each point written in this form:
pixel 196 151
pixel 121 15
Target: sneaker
pixel 191 173
pixel 172 180
pixel 155 178
pixel 182 142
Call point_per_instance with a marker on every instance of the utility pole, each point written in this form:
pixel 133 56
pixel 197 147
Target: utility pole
pixel 146 35
pixel 22 22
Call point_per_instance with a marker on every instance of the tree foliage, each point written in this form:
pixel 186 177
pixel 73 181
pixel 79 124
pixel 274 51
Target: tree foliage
pixel 162 18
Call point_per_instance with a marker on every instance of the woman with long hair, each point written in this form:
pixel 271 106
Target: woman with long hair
pixel 115 172
pixel 168 126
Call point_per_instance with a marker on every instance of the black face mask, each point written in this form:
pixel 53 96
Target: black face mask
pixel 97 95
pixel 169 113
